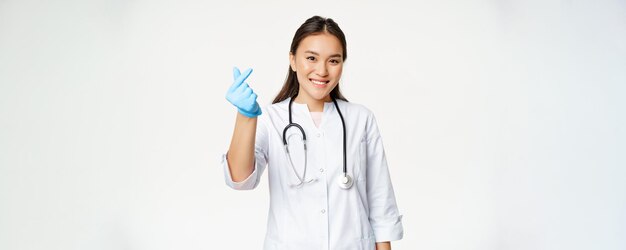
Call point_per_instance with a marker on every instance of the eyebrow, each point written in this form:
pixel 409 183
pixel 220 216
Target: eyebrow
pixel 317 54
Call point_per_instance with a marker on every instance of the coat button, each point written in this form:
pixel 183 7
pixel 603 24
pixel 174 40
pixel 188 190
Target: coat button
pixel 323 211
pixel 321 170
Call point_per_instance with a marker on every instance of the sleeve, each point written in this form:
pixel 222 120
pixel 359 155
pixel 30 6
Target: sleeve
pixel 384 217
pixel 260 160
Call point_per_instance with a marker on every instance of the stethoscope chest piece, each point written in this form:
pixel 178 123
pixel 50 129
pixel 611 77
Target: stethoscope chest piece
pixel 344 181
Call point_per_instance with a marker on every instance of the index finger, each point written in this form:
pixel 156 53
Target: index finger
pixel 239 79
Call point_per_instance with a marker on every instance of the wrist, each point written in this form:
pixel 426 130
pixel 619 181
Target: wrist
pixel 249 114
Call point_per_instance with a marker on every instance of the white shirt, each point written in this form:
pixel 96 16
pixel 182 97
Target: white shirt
pixel 321 215
pixel 317 118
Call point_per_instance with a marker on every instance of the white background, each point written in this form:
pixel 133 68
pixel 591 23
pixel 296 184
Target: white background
pixel 503 121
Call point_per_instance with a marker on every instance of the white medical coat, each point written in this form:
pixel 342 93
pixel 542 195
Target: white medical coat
pixel 321 215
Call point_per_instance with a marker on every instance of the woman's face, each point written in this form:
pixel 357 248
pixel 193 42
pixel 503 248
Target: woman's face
pixel 318 63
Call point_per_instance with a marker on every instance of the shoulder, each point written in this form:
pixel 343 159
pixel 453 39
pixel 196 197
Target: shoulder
pixel 363 117
pixel 273 113
pixel 355 109
pixel 359 116
pixel 276 108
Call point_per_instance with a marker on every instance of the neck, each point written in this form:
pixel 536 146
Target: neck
pixel 314 105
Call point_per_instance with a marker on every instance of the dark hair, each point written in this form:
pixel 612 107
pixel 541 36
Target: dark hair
pixel 311 26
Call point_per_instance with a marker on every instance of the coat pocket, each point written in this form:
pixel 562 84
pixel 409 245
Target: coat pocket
pixel 361 163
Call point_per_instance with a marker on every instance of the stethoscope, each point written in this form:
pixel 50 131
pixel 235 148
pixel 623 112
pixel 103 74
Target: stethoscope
pixel 344 181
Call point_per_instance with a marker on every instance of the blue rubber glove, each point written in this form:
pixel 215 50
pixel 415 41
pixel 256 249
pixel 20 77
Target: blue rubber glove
pixel 242 96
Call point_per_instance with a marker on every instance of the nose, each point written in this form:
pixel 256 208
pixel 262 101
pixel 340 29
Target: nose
pixel 321 70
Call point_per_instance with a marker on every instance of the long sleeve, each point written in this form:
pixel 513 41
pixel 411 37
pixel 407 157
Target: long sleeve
pixel 384 216
pixel 260 160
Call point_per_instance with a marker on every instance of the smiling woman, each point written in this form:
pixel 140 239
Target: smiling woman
pixel 349 203
pixel 318 64
pixel 317 52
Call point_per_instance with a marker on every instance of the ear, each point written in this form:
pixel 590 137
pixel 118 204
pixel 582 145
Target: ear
pixel 292 62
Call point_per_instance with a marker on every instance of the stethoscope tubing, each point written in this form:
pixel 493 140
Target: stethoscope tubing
pixel 343 124
pixel 346 181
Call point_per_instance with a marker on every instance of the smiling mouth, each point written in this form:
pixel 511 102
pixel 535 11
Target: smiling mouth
pixel 319 83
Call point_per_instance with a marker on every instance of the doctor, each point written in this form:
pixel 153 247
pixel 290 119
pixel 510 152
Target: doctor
pixel 328 176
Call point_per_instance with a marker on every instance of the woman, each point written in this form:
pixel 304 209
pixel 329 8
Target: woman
pixel 332 190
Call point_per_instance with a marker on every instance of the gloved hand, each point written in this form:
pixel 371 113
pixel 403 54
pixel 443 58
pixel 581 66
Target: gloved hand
pixel 242 96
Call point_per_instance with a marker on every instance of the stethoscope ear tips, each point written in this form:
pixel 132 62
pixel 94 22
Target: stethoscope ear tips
pixel 345 181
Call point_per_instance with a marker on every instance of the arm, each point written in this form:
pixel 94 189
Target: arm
pixel 240 154
pixel 383 245
pixel 384 216
pixel 240 157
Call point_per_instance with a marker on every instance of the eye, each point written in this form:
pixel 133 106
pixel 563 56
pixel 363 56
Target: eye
pixel 334 61
pixel 311 58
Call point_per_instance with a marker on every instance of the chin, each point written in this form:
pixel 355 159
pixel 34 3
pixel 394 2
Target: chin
pixel 321 97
